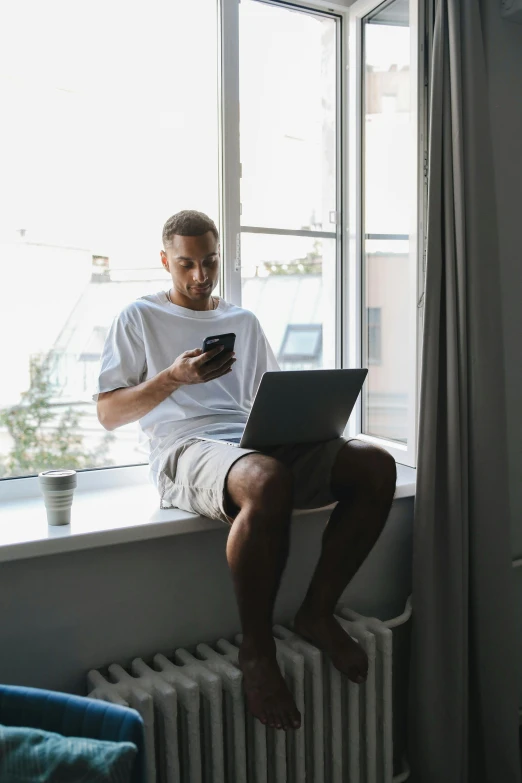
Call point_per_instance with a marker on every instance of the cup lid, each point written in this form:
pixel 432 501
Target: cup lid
pixel 60 477
pixel 52 473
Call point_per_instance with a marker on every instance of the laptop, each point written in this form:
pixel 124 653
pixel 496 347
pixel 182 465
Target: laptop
pixel 303 406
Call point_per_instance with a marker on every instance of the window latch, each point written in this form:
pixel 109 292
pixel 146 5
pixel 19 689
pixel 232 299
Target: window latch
pixel 237 262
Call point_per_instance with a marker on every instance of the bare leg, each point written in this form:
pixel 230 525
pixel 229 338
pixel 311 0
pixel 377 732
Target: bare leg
pixel 257 551
pixel 363 481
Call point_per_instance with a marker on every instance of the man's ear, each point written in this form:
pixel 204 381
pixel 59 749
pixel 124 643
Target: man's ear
pixel 164 261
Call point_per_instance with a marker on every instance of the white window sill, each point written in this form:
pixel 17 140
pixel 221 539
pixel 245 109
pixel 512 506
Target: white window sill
pixel 110 507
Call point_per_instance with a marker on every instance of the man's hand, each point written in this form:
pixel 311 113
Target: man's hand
pixel 122 406
pixel 198 367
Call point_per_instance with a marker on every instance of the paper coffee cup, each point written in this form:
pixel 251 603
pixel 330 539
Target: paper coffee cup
pixel 57 488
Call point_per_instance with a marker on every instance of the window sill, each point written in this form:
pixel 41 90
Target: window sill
pixel 110 507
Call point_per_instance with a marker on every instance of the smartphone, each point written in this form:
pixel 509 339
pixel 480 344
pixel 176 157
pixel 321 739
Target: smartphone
pixel 226 340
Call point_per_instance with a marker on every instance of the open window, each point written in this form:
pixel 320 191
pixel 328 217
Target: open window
pixel 299 127
pixel 386 198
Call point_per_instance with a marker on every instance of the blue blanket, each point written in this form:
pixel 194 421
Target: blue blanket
pixel 35 756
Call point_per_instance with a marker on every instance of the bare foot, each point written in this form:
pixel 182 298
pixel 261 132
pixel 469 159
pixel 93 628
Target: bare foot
pixel 267 695
pixel 344 652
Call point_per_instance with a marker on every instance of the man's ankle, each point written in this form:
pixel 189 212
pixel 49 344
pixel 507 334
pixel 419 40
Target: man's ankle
pixel 258 644
pixel 312 613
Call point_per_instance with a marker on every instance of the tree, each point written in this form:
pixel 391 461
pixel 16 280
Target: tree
pixel 43 436
pixel 311 264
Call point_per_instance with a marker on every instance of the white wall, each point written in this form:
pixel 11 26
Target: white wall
pixel 61 615
pixel 504 58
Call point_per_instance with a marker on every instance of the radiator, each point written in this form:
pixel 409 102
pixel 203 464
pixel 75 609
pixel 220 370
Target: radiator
pixel 197 729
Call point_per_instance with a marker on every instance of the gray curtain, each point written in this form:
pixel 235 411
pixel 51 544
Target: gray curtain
pixel 463 695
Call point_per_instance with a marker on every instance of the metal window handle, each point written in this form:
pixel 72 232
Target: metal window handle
pixel 237 262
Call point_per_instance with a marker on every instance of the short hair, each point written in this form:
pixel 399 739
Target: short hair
pixel 188 223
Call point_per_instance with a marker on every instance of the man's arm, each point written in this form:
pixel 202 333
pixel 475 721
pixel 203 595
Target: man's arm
pixel 123 406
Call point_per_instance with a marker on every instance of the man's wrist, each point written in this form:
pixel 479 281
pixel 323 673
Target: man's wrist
pixel 170 380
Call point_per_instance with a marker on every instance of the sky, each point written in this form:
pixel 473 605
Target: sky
pixel 110 120
pixel 110 115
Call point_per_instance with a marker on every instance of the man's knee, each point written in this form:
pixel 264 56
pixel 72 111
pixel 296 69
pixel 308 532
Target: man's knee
pixel 381 467
pixel 366 468
pixel 262 483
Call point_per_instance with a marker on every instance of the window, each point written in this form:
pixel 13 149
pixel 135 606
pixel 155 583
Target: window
pixel 386 214
pixel 302 347
pixel 108 128
pixel 374 335
pixel 387 206
pixel 307 151
pixel 290 246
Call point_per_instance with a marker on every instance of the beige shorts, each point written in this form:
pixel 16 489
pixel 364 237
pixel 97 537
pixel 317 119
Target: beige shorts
pixel 194 476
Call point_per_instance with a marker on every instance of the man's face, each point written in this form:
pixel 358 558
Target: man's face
pixel 193 264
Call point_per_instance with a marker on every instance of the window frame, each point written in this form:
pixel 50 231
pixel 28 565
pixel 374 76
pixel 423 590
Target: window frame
pixel 229 152
pixel 348 304
pixel 301 357
pixel 231 227
pixel 349 295
pixel 405 454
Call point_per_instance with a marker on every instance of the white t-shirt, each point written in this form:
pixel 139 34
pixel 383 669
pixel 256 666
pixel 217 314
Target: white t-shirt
pixel 146 338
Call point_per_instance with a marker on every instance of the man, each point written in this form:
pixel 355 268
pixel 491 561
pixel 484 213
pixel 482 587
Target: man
pixel 153 371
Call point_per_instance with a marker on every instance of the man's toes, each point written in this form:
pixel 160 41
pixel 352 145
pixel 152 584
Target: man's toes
pixel 284 719
pixel 357 676
pixel 289 720
pixel 362 670
pixel 362 667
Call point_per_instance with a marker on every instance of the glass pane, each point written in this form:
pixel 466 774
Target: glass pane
pixel 304 341
pixel 288 117
pixel 387 207
pixel 289 283
pixel 104 135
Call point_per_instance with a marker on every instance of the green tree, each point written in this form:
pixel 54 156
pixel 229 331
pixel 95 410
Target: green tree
pixel 45 437
pixel 311 264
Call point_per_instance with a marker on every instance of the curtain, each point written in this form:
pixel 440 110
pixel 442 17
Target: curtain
pixel 463 695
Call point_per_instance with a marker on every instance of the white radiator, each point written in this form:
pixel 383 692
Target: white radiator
pixel 197 729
